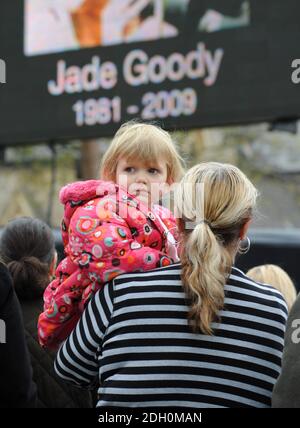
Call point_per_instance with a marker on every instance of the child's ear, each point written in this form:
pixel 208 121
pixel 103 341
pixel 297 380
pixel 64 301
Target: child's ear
pixel 244 229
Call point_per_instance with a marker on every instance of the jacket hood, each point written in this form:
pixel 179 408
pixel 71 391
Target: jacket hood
pixel 85 190
pixel 82 191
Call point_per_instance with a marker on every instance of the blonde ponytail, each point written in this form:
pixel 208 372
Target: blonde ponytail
pixel 205 267
pixel 206 251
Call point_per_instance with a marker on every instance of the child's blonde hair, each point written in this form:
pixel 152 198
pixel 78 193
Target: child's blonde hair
pixel 276 276
pixel 146 143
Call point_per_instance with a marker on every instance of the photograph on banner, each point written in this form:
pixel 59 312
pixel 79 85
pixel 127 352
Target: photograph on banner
pixel 217 20
pixel 53 26
pixel 91 65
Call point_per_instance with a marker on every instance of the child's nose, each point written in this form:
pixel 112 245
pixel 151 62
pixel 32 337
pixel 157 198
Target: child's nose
pixel 141 178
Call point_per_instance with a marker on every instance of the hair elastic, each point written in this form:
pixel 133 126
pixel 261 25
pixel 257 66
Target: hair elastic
pixel 192 225
pixel 205 222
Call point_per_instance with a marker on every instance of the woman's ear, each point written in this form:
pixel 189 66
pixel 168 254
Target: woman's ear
pixel 53 265
pixel 244 229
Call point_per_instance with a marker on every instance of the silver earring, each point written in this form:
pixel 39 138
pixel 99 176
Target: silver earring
pixel 246 248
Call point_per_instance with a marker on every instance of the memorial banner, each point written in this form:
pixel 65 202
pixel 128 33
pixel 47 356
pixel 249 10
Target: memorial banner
pixel 80 68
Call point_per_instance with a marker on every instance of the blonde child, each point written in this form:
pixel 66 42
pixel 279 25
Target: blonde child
pixel 113 225
pixel 276 276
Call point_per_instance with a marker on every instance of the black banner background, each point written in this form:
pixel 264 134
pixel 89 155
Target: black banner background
pixel 253 84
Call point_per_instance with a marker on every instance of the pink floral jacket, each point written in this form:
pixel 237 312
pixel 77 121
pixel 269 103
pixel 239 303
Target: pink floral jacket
pixel 106 232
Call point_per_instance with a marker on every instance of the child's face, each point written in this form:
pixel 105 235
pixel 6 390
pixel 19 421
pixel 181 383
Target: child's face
pixel 146 181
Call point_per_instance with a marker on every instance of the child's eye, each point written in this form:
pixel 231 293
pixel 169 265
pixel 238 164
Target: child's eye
pixel 129 169
pixel 153 171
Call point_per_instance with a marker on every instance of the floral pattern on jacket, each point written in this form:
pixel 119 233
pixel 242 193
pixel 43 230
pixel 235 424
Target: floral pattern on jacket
pixel 106 232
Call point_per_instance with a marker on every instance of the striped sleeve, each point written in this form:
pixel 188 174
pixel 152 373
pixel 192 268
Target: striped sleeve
pixel 76 360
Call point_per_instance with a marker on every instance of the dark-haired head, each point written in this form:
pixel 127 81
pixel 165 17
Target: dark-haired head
pixel 27 247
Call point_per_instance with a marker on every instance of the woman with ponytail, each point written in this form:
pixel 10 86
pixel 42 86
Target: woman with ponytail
pixel 196 334
pixel 216 203
pixel 27 248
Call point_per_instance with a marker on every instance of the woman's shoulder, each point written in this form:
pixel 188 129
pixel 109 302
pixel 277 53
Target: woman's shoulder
pixel 31 309
pixel 172 271
pixel 246 287
pixel 5 284
pixel 131 281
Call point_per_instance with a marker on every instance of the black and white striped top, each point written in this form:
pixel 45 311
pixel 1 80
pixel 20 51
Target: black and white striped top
pixel 135 337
